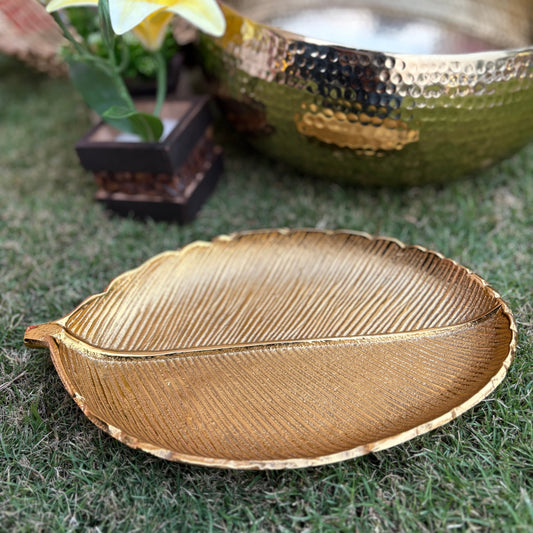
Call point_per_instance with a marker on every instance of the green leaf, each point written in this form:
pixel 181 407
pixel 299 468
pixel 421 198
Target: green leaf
pixel 95 81
pixel 146 126
pixel 118 113
pixel 103 92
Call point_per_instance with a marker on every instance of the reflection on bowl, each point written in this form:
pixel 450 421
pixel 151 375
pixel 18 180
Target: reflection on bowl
pixel 412 92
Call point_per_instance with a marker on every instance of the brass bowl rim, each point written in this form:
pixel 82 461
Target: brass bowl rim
pixel 292 36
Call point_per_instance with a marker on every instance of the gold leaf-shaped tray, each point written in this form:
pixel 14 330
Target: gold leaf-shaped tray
pixel 282 348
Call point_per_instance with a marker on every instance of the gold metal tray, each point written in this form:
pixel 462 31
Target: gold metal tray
pixel 282 348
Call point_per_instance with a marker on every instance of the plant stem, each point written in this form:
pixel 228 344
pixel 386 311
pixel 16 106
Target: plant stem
pixel 108 37
pixel 66 32
pixel 161 82
pixel 124 58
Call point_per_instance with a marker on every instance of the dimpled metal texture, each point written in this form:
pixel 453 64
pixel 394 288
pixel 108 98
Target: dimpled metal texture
pixel 374 117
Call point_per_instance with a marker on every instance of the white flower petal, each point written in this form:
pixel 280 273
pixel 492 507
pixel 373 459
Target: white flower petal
pixel 54 5
pixel 204 14
pixel 126 14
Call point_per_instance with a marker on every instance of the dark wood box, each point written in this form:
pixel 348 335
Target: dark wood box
pixel 100 149
pixel 179 202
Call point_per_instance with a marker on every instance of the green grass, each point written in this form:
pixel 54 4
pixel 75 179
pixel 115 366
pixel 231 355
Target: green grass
pixel 58 472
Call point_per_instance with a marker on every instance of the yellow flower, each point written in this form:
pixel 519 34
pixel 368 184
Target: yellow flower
pixel 151 31
pixel 149 18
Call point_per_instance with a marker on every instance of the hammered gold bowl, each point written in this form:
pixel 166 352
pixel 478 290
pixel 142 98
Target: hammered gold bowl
pixel 414 92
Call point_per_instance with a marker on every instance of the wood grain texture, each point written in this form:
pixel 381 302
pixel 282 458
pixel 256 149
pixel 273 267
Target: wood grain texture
pixel 282 348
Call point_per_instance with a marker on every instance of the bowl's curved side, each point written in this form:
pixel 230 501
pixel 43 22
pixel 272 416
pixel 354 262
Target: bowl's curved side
pixel 370 117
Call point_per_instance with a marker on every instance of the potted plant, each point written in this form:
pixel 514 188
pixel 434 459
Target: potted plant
pixel 138 143
pixel 140 66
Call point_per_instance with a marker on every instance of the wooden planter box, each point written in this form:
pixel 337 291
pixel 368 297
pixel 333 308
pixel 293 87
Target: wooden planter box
pixel 165 180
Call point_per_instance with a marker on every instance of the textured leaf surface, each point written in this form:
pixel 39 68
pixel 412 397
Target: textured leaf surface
pixel 281 349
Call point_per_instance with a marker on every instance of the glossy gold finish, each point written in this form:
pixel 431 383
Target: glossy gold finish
pixel 449 92
pixel 282 348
